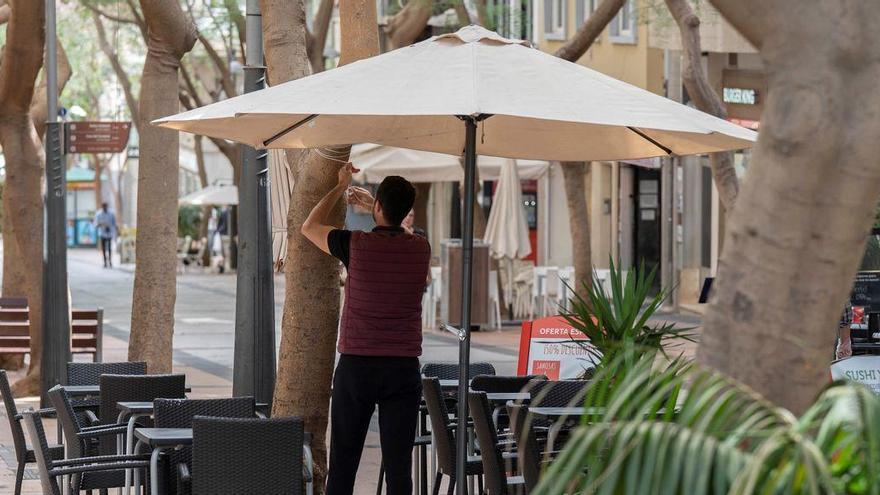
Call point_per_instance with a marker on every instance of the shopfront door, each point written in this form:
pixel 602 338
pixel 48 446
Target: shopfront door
pixel 646 224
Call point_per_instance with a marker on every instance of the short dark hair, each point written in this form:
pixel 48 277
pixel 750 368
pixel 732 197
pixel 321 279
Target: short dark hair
pixel 396 196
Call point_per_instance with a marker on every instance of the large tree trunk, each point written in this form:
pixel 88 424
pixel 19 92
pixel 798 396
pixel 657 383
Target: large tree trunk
pixel 797 235
pixel 308 337
pixel 575 175
pixel 703 95
pixel 23 153
pixel 170 36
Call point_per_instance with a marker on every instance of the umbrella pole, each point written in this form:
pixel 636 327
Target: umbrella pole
pixel 467 248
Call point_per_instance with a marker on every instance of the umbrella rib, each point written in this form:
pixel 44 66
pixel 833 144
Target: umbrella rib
pixel 650 140
pixel 290 128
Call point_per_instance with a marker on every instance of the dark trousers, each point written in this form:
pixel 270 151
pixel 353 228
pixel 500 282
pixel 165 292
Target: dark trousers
pixel 106 249
pixel 359 385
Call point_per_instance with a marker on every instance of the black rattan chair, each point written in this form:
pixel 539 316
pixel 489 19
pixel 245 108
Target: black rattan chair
pixel 83 441
pixel 239 456
pixel 493 458
pixel 444 437
pixel 528 450
pixel 179 413
pixel 503 384
pixel 562 393
pixel 449 371
pixel 75 469
pixel 90 373
pixel 134 388
pixel 23 454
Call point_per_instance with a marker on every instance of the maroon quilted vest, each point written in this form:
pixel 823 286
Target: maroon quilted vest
pixel 383 294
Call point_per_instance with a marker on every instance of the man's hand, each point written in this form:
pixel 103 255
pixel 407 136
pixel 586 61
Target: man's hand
pixel 345 173
pixel 360 197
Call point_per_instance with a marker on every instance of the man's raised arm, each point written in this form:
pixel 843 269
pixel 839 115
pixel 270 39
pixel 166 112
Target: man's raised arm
pixel 317 226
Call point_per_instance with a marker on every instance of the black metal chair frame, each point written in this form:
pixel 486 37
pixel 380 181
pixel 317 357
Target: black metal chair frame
pixel 52 469
pixel 494 466
pixel 23 454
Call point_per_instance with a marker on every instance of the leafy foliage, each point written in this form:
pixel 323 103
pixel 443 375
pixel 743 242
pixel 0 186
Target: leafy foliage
pixel 684 429
pixel 188 220
pixel 618 322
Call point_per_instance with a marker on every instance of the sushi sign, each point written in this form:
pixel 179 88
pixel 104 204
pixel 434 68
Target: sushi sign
pixel 552 347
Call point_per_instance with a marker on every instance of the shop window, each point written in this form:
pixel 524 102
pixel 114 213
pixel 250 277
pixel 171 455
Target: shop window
pixel 554 19
pixel 623 27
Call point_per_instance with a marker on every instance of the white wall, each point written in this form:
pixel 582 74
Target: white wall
pixel 554 231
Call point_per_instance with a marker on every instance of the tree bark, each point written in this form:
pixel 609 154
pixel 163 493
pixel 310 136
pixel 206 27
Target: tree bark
pixel 575 175
pixel 403 29
pixel 170 35
pixel 308 337
pixel 704 96
pixel 317 40
pixel 797 236
pixel 23 153
pixel 584 37
pixel 39 106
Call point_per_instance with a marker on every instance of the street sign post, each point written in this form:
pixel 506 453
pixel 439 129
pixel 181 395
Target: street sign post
pixel 96 137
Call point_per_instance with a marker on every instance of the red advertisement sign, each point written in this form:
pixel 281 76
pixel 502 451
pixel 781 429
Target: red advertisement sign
pixel 552 347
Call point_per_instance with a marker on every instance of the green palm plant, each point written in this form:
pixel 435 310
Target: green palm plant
pixel 619 322
pixel 682 429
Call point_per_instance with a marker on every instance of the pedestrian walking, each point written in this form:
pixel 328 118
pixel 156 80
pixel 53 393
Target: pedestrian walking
pixel 105 222
pixel 380 332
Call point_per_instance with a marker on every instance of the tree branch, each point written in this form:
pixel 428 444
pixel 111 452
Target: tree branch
pixel 190 87
pixel 121 74
pixel 40 106
pixel 589 31
pixel 409 23
pixel 138 17
pixel 107 15
pixel 464 17
pixel 703 95
pixel 220 64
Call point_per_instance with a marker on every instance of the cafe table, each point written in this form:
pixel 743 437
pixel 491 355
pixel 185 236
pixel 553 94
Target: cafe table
pixel 159 440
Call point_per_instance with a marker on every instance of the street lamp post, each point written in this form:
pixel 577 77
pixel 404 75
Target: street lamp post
pixel 56 321
pixel 254 361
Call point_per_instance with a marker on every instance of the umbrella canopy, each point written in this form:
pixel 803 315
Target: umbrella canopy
pixel 377 162
pixel 531 104
pixel 507 231
pixel 212 195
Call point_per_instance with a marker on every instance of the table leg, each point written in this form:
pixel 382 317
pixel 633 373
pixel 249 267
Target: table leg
pixel 154 471
pixel 137 472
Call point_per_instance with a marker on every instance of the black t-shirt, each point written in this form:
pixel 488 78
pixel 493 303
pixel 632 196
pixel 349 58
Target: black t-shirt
pixel 339 241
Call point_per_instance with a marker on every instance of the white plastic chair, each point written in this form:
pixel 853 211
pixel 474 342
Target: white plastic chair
pixel 551 292
pixel 494 300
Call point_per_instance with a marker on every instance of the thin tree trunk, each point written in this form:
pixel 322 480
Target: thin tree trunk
pixel 797 235
pixel 206 209
pixel 23 153
pixel 575 175
pixel 317 40
pixel 406 26
pixel 170 36
pixel 704 96
pixel 308 335
pixel 98 164
pixel 118 70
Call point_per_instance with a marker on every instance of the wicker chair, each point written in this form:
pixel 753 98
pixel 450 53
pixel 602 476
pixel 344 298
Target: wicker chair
pixel 24 455
pixel 528 450
pixel 82 442
pixel 179 413
pixel 444 438
pixel 503 384
pixel 449 371
pixel 563 393
pixel 75 468
pixel 493 458
pixel 134 388
pixel 225 462
pixel 90 374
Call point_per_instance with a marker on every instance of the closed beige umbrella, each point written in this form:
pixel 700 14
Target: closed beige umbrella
pixel 467 93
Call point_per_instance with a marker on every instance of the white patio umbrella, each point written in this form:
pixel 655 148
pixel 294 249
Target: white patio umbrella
pixel 377 162
pixel 507 230
pixel 211 195
pixel 471 92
